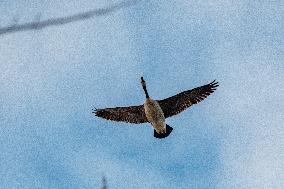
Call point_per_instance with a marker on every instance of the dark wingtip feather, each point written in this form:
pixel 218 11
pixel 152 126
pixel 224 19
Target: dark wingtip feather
pixel 94 110
pixel 101 113
pixel 214 84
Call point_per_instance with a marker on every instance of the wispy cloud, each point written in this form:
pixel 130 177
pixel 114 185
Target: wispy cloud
pixel 35 25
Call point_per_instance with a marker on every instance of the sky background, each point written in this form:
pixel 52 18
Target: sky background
pixel 51 79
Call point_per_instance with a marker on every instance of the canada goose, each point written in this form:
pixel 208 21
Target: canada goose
pixel 156 111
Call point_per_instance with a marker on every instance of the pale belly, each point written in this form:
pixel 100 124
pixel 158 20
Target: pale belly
pixel 155 115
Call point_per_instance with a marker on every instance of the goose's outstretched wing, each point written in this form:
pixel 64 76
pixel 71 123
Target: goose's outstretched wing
pixel 131 114
pixel 178 103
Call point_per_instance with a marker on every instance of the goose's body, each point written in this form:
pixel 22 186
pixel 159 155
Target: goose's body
pixel 156 111
pixel 155 115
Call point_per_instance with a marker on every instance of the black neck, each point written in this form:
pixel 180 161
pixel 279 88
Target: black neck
pixel 146 92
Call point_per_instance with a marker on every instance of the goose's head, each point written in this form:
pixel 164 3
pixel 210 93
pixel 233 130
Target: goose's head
pixel 143 83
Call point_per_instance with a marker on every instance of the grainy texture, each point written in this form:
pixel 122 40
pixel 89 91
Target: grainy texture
pixel 131 114
pixel 36 25
pixel 155 115
pixel 178 103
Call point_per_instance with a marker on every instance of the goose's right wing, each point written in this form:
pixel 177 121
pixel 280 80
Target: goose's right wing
pixel 178 103
pixel 131 114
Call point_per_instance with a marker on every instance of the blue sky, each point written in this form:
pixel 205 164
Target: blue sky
pixel 52 78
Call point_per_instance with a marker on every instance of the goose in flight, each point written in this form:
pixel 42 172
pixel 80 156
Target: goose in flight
pixel 156 111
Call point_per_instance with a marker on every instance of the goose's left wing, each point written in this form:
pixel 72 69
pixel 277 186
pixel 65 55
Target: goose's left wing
pixel 131 114
pixel 178 103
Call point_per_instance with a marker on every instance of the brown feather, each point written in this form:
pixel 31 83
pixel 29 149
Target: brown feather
pixel 178 103
pixel 131 114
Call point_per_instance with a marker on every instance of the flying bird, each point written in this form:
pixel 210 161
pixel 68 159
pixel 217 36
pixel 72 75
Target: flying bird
pixel 155 112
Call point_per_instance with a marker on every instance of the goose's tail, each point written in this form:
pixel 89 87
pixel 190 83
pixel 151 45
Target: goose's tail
pixel 169 129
